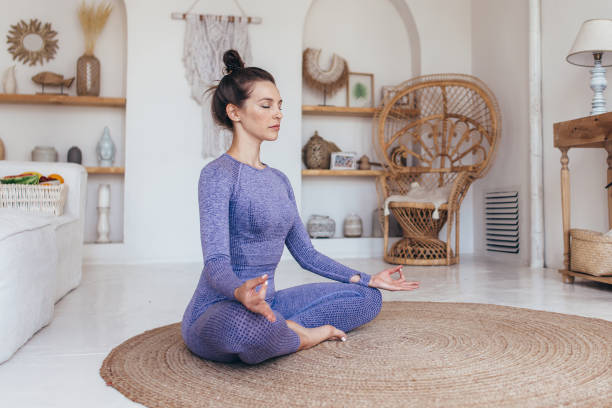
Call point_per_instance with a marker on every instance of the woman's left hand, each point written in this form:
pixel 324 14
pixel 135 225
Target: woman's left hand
pixel 383 280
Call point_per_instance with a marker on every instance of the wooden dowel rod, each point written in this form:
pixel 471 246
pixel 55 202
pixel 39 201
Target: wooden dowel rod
pixel 231 19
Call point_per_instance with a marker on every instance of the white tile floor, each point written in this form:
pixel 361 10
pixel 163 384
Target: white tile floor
pixel 59 366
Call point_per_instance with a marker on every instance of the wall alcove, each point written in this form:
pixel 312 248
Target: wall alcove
pixel 391 52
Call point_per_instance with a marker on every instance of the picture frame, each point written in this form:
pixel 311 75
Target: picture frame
pixel 360 90
pixel 388 92
pixel 343 161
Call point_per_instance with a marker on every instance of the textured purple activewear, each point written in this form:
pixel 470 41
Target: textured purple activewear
pixel 247 215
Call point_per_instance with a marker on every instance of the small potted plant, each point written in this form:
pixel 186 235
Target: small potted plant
pixel 92 20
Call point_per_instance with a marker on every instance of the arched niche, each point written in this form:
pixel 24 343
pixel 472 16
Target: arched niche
pixel 384 30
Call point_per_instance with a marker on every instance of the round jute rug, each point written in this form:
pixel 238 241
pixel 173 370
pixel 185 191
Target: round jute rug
pixel 413 354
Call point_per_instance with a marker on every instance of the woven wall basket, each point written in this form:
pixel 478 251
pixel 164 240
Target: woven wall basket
pixel 46 199
pixel 590 252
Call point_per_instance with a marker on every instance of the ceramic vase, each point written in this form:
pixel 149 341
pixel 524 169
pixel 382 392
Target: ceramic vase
pixel 44 154
pixel 320 226
pixel 353 226
pixel 9 81
pixel 88 76
pixel 74 155
pixel 106 149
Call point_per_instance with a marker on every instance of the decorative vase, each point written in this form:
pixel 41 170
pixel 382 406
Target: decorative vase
pixel 316 153
pixel 2 150
pixel 353 227
pixel 103 227
pixel 75 155
pixel 106 149
pixel 320 226
pixel 9 81
pixel 88 76
pixel 44 154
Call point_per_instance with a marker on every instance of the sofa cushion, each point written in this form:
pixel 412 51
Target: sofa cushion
pixel 14 221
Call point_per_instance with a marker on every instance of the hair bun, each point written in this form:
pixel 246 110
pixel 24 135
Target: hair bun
pixel 232 61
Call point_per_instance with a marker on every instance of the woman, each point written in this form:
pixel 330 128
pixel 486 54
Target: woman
pixel 247 214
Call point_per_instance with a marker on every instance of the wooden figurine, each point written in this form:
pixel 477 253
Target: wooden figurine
pixel 52 79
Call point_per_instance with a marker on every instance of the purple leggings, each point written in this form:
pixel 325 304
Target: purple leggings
pixel 229 332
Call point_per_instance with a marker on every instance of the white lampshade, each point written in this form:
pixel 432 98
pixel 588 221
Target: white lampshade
pixel 594 36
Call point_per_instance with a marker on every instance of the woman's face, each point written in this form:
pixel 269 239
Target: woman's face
pixel 260 115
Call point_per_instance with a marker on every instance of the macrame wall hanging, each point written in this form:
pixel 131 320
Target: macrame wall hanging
pixel 207 37
pixel 329 81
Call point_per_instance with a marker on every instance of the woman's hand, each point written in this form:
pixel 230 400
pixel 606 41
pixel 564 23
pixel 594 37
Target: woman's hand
pixel 253 300
pixel 383 280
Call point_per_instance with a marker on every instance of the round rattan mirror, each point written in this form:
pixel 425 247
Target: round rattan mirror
pixel 33 42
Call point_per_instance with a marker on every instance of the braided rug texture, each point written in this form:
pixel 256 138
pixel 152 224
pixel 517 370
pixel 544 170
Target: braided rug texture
pixel 413 354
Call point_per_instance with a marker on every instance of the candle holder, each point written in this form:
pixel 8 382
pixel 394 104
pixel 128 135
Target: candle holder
pixel 103 227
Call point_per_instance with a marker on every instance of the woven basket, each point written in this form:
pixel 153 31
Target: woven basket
pixel 590 252
pixel 47 199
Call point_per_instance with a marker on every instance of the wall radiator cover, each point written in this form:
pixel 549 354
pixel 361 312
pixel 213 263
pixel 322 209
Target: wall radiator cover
pixel 502 221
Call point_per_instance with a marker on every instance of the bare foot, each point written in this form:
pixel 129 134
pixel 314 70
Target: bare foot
pixel 310 337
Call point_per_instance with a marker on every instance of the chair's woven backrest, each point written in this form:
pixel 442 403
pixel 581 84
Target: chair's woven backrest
pixel 443 123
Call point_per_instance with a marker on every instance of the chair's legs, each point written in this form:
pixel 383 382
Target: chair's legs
pixel 386 235
pixel 457 237
pixel 449 227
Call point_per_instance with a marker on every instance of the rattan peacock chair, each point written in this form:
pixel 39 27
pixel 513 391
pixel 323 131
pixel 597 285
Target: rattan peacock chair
pixel 440 131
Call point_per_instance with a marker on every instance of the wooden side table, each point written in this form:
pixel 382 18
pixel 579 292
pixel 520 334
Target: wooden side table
pixel 594 132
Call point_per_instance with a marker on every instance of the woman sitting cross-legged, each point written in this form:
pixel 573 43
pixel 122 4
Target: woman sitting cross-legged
pixel 247 214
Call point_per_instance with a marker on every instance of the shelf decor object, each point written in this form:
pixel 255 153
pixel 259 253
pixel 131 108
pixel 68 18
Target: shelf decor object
pixel 32 43
pixel 92 20
pixel 353 226
pixel 47 78
pixel 9 81
pixel 317 151
pixel 329 81
pixel 593 48
pixel 451 142
pixel 360 90
pixel 44 154
pixel 103 227
pixel 105 149
pixel 343 161
pixel 75 155
pixel 320 226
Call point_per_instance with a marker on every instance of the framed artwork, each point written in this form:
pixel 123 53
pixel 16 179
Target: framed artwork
pixel 343 161
pixel 360 90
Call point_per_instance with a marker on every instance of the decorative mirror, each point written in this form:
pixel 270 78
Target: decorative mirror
pixel 32 43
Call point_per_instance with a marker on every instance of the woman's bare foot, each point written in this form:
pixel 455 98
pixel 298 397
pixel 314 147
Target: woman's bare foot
pixel 312 337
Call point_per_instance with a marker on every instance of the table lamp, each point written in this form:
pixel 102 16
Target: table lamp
pixel 593 48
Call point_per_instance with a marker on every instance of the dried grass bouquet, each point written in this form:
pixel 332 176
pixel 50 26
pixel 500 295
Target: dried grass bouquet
pixel 92 20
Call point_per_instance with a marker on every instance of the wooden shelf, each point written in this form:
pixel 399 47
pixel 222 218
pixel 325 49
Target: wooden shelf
pixel 105 170
pixel 323 172
pixel 337 111
pixel 346 111
pixel 38 99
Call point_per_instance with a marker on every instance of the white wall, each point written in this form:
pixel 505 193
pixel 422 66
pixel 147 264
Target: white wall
pixel 22 127
pixel 566 95
pixel 500 54
pixel 354 30
pixel 162 123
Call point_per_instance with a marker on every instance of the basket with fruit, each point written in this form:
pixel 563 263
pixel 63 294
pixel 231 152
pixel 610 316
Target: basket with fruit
pixel 33 192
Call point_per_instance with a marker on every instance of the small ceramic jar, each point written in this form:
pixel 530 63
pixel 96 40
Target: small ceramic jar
pixel 353 227
pixel 44 154
pixel 320 226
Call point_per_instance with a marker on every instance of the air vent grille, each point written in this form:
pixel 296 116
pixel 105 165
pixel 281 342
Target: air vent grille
pixel 502 221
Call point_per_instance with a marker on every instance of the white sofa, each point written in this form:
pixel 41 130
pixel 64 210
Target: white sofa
pixel 40 256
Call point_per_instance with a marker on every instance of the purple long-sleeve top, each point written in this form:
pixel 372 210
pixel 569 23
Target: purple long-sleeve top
pixel 247 215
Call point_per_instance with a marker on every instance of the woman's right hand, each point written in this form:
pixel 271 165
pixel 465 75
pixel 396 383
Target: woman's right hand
pixel 253 300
